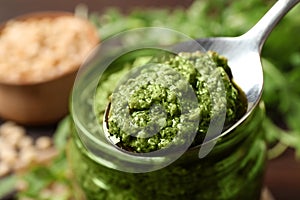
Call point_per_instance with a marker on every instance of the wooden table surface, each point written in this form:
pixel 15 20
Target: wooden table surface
pixel 283 177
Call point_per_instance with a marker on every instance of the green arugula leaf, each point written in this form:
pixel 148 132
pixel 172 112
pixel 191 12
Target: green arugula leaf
pixel 7 185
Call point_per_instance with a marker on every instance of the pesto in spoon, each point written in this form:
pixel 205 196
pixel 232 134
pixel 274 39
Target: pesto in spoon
pixel 243 54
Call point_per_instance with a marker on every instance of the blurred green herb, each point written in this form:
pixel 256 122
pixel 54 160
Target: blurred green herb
pixel 50 183
pixel 7 185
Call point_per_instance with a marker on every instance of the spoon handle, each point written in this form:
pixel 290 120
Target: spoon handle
pixel 261 30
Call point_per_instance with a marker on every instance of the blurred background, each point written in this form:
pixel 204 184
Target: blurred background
pixel 202 18
pixel 12 8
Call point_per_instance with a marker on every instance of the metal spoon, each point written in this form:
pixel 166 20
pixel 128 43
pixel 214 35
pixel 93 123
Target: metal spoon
pixel 243 54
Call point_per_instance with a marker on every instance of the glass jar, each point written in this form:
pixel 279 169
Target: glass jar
pixel 231 166
pixel 232 170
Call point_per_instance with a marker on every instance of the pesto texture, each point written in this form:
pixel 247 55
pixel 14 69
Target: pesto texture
pixel 233 170
pixel 153 107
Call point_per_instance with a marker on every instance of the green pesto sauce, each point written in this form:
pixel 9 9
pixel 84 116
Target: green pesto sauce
pixel 154 97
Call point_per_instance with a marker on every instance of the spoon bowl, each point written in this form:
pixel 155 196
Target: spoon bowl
pixel 243 54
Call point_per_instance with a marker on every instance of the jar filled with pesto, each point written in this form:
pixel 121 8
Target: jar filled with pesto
pixel 165 126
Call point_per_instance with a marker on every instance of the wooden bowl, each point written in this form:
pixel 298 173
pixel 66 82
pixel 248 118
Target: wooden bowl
pixel 44 100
